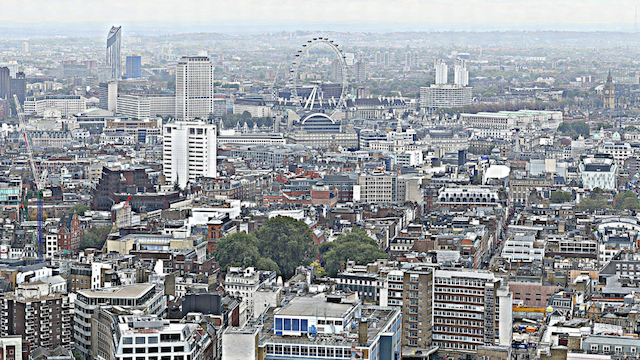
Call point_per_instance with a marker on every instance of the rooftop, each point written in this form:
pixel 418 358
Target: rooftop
pixel 313 307
pixel 130 291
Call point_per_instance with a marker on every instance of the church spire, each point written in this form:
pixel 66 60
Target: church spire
pixel 609 78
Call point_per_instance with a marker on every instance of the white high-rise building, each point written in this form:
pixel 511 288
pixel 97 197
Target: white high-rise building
pixel 441 72
pixel 114 58
pixel 25 47
pixel 461 76
pixel 189 151
pixel 108 96
pixel 194 87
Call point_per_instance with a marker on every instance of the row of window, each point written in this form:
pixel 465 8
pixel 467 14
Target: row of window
pixel 310 351
pixel 151 350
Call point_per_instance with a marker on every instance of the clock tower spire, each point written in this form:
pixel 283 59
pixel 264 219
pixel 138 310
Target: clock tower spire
pixel 609 93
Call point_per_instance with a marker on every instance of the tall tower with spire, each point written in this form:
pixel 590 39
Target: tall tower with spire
pixel 609 93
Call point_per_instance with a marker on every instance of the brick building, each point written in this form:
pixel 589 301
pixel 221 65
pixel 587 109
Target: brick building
pixel 69 234
pixel 130 181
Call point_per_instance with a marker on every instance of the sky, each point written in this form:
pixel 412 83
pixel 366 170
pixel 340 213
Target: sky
pixel 277 15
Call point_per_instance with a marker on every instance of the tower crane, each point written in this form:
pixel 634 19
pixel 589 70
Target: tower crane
pixel 38 178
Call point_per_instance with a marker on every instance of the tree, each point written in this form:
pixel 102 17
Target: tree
pixel 267 264
pixel 95 237
pixel 356 246
pixel 239 249
pixel 319 269
pixel 627 200
pixel 246 116
pixel 286 241
pixel 79 209
pixel 559 197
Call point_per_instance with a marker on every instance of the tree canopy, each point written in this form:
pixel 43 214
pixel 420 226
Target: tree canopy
pixel 286 241
pixel 627 200
pixel 574 129
pixel 95 237
pixel 79 209
pixel 559 197
pixel 597 202
pixel 356 246
pixel 281 244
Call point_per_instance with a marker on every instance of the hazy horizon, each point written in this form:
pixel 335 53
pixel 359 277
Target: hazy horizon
pixel 145 17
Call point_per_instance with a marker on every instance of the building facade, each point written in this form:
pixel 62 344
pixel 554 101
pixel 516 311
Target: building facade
pixel 445 96
pixel 194 87
pixel 376 188
pixel 142 297
pixel 67 104
pixel 41 318
pixel 189 151
pixel 134 67
pixel 114 59
pixel 147 106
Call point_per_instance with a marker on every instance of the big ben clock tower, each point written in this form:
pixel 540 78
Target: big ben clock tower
pixel 609 93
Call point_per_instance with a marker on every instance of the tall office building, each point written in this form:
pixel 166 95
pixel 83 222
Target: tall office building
pixel 25 47
pixel 194 87
pixel 461 75
pixel 108 93
pixel 361 71
pixel 336 70
pixel 441 72
pixel 19 86
pixel 134 67
pixel 113 52
pixel 5 83
pixel 189 151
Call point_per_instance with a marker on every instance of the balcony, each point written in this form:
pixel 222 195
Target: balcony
pixel 66 325
pixel 66 333
pixel 66 312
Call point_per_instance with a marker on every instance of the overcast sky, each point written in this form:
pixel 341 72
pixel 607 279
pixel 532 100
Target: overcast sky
pixel 525 12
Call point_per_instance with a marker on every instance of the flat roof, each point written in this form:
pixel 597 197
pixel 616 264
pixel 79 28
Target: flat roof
pixel 315 307
pixel 129 291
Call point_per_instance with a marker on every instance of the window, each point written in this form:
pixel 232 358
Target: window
pixel 127 350
pixel 166 349
pixel 178 348
pixel 287 324
pixel 140 350
pixel 278 324
pixel 153 340
pixel 153 350
pixel 304 324
pixel 140 340
pixel 127 340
